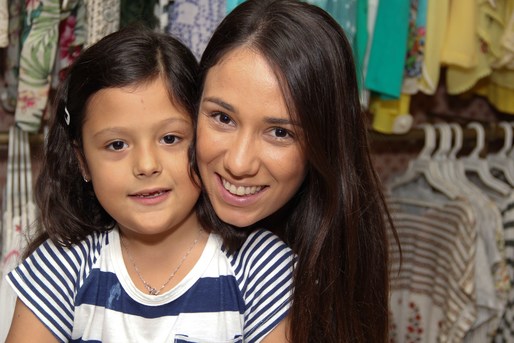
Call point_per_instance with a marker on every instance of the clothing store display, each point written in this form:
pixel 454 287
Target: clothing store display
pixel 38 52
pixel 194 21
pixel 103 17
pixel 4 23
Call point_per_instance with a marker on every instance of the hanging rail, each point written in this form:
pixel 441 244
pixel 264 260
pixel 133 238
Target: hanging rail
pixel 36 138
pixel 493 132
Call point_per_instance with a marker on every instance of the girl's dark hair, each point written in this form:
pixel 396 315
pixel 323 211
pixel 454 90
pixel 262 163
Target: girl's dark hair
pixel 337 222
pixel 68 209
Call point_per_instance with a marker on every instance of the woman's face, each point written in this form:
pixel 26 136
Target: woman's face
pixel 248 146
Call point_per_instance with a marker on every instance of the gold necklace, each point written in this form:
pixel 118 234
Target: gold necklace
pixel 152 290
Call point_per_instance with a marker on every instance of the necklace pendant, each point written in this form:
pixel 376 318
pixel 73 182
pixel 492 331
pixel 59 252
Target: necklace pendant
pixel 152 291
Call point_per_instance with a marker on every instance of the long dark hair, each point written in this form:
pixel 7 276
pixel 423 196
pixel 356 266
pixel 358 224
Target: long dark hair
pixel 337 222
pixel 68 209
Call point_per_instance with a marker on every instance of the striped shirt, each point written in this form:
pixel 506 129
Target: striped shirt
pixel 84 293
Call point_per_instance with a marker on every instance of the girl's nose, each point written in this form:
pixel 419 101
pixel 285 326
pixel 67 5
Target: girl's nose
pixel 147 162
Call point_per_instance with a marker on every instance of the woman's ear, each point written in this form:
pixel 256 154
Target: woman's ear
pixel 84 170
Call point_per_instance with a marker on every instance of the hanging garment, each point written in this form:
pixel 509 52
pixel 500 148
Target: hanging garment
pixel 364 43
pixel 432 286
pixel 4 24
pixel 8 95
pixel 194 21
pixel 437 18
pixel 36 62
pixel 505 331
pixel 502 98
pixel 507 40
pixel 344 12
pixel 103 17
pixel 415 46
pixel 142 11
pixel 162 14
pixel 72 37
pixel 391 116
pixel 427 178
pixel 360 41
pixel 17 218
pixel 231 4
pixel 498 31
pixel 466 52
pixel 388 49
pixel 460 41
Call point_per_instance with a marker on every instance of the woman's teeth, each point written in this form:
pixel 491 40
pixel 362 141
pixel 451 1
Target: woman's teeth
pixel 240 190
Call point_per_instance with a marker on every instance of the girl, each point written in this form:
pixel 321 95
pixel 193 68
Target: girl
pixel 281 143
pixel 121 254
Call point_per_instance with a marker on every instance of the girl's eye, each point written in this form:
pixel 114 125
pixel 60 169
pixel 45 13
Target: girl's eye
pixel 170 139
pixel 117 145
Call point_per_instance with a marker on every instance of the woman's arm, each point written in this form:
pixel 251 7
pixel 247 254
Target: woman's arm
pixel 26 327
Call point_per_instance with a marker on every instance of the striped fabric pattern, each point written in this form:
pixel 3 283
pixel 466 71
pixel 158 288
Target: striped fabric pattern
pixel 84 293
pixel 437 266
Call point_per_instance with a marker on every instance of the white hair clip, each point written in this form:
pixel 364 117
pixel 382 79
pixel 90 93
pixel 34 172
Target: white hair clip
pixel 67 116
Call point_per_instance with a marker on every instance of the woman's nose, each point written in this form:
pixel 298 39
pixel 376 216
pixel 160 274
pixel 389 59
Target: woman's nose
pixel 242 157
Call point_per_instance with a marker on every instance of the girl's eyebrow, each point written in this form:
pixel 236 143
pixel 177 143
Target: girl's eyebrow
pixel 220 102
pixel 121 129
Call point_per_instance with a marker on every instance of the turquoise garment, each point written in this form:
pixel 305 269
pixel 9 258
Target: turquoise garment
pixel 231 4
pixel 319 3
pixel 388 49
pixel 343 11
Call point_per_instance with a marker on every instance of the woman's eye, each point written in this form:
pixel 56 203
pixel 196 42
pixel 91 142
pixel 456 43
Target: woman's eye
pixel 117 145
pixel 280 132
pixel 222 118
pixel 170 139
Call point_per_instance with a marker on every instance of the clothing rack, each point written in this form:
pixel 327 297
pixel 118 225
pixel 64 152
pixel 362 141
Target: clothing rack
pixel 36 138
pixel 493 133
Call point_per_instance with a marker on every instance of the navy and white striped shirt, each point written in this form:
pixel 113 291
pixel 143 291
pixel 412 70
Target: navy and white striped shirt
pixel 84 293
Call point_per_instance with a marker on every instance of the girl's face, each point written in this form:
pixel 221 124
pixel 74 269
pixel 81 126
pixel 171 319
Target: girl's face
pixel 135 144
pixel 248 147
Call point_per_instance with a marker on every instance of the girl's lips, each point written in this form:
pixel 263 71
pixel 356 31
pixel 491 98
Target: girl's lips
pixel 150 197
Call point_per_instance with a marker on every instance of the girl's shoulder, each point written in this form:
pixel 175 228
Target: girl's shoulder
pixel 263 268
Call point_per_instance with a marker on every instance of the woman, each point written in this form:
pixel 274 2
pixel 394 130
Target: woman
pixel 281 143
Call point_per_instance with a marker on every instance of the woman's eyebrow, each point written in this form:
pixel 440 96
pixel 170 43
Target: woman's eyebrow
pixel 269 120
pixel 280 121
pixel 220 102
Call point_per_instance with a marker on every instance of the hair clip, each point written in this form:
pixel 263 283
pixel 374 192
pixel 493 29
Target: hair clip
pixel 67 116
